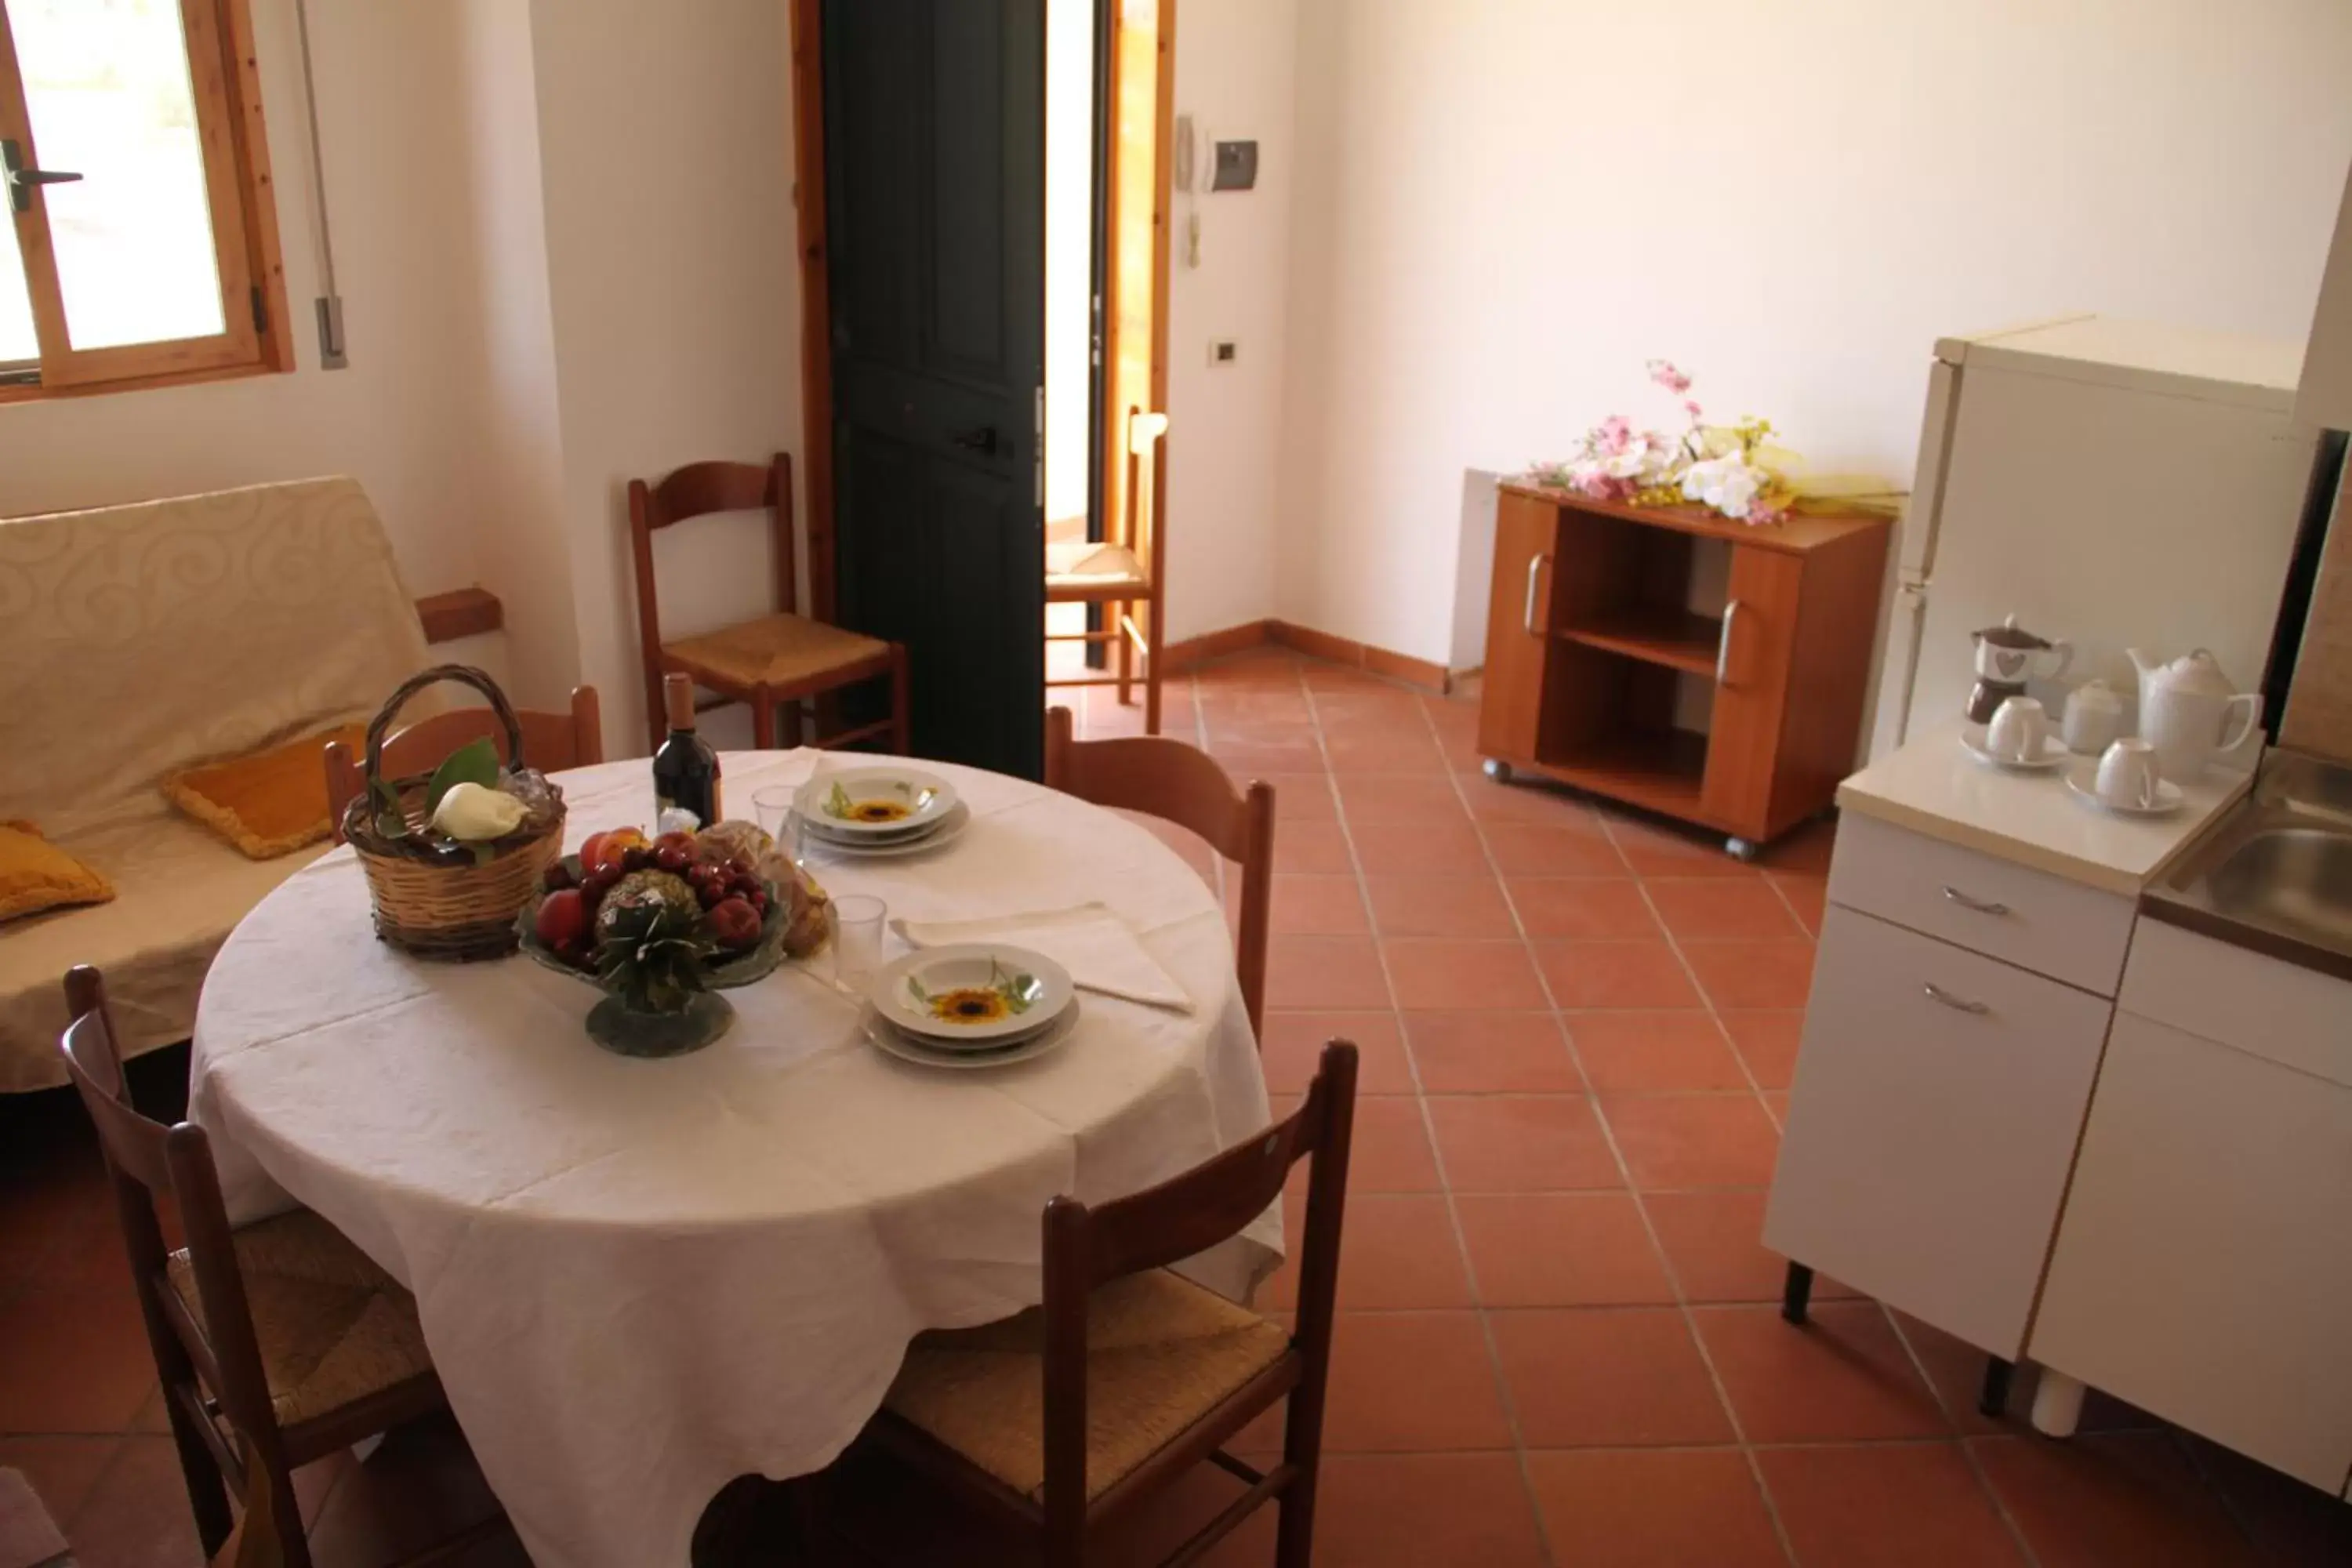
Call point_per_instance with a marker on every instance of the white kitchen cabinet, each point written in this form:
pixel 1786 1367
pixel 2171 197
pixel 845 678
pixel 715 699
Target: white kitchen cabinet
pixel 2203 1270
pixel 1985 904
pixel 1937 1099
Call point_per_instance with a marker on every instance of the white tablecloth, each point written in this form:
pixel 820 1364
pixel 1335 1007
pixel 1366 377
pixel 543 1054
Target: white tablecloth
pixel 640 1280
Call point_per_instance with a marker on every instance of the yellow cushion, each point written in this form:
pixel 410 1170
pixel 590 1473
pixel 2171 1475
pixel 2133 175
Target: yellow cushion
pixel 1162 1352
pixel 269 803
pixel 774 651
pixel 35 875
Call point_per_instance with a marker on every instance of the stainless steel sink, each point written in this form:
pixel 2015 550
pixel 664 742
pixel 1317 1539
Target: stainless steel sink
pixel 2275 872
pixel 2295 877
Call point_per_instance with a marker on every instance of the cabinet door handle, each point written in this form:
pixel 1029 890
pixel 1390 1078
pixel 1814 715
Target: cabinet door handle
pixel 1938 994
pixel 1722 644
pixel 1535 565
pixel 1982 906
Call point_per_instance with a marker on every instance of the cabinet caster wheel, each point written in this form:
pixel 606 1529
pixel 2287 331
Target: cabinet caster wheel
pixel 1740 850
pixel 1498 770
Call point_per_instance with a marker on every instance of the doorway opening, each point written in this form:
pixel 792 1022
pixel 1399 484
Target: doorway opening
pixel 983 313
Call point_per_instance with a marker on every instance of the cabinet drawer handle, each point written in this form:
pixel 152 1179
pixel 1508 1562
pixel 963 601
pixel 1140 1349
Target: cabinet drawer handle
pixel 1722 644
pixel 1982 906
pixel 1938 994
pixel 1535 564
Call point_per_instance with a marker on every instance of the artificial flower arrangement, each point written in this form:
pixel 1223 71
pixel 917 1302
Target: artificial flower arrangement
pixel 1733 470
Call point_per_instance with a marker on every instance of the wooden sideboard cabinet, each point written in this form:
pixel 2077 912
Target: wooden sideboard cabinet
pixel 1602 674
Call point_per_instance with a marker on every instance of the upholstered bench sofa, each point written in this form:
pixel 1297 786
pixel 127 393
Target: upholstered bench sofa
pixel 134 642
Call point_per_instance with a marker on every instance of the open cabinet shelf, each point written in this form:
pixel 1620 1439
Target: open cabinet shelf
pixel 1679 662
pixel 1678 639
pixel 1657 770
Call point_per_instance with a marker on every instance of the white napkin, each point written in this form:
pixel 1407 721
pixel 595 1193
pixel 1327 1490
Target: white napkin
pixel 1097 947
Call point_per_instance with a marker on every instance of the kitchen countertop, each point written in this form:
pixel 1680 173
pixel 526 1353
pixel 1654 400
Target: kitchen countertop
pixel 1933 788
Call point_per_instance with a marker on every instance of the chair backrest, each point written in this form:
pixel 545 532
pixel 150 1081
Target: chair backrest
pixel 145 1159
pixel 549 742
pixel 700 489
pixel 1088 1247
pixel 1163 777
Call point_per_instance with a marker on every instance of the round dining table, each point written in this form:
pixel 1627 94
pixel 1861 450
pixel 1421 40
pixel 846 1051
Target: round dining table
pixel 640 1278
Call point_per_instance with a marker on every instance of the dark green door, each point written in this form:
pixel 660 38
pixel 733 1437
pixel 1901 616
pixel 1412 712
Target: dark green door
pixel 935 185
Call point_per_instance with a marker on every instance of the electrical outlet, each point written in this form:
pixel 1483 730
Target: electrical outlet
pixel 1224 351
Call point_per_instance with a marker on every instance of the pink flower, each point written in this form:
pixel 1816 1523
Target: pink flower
pixel 1615 432
pixel 1690 409
pixel 1664 373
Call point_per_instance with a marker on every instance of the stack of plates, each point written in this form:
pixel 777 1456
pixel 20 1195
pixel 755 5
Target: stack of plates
pixel 877 811
pixel 971 1005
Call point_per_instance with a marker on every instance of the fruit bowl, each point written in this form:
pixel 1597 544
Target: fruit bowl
pixel 735 968
pixel 734 906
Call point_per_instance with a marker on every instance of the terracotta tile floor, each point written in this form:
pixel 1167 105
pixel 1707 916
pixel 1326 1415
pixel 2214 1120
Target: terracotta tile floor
pixel 1558 1343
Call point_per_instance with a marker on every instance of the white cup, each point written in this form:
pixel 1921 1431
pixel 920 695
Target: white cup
pixel 2128 773
pixel 2019 726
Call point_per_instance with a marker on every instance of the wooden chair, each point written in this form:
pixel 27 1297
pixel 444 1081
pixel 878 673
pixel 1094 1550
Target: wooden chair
pixel 549 742
pixel 1144 1374
pixel 278 1342
pixel 1165 778
pixel 774 658
pixel 1119 574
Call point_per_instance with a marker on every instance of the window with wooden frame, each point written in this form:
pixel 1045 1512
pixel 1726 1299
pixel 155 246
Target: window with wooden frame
pixel 141 243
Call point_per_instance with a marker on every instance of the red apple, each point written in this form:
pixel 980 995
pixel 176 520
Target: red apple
pixel 563 919
pixel 734 923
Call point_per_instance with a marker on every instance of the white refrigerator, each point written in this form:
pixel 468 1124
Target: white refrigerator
pixel 2114 483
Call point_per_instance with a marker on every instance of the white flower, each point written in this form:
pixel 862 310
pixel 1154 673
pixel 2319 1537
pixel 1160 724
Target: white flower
pixel 474 813
pixel 1728 484
pixel 1637 459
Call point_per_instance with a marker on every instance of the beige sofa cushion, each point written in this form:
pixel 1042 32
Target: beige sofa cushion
pixel 135 640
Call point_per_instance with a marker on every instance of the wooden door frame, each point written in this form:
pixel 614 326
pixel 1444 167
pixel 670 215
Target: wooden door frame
pixel 809 197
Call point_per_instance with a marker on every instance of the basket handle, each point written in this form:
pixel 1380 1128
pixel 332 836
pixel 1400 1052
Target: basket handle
pixel 465 674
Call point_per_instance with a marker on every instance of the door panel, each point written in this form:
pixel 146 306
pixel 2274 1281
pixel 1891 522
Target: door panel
pixel 1744 735
pixel 1931 1134
pixel 934 125
pixel 1519 627
pixel 2203 1270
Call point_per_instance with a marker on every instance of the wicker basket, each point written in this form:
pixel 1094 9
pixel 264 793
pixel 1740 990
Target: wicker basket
pixel 432 900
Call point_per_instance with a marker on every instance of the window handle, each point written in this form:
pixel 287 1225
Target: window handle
pixel 21 180
pixel 1938 994
pixel 1982 906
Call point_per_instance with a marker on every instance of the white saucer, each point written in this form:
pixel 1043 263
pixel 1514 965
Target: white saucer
pixel 2168 798
pixel 2054 753
pixel 890 1042
pixel 957 818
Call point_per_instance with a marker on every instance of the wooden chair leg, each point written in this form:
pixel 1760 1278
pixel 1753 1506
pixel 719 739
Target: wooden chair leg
pixel 1126 654
pixel 901 736
pixel 286 1512
pixel 207 1488
pixel 1151 670
pixel 791 736
pixel 763 721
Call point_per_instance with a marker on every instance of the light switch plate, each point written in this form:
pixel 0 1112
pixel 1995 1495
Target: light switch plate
pixel 1236 166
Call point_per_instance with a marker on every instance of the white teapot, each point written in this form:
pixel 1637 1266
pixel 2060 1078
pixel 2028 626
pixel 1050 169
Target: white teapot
pixel 2185 708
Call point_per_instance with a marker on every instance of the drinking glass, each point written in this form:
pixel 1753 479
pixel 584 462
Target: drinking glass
pixel 771 808
pixel 857 940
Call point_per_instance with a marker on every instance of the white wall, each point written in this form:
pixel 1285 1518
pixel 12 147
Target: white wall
pixel 1505 206
pixel 1234 75
pixel 402 417
pixel 667 151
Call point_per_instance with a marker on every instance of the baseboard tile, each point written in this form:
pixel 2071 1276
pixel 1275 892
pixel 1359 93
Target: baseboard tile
pixel 1344 651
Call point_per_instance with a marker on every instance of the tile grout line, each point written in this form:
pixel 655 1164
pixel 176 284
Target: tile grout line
pixel 1503 1393
pixel 1641 1207
pixel 1968 1455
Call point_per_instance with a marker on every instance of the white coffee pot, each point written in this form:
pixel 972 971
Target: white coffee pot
pixel 2186 708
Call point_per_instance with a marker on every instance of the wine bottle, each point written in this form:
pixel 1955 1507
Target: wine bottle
pixel 685 770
